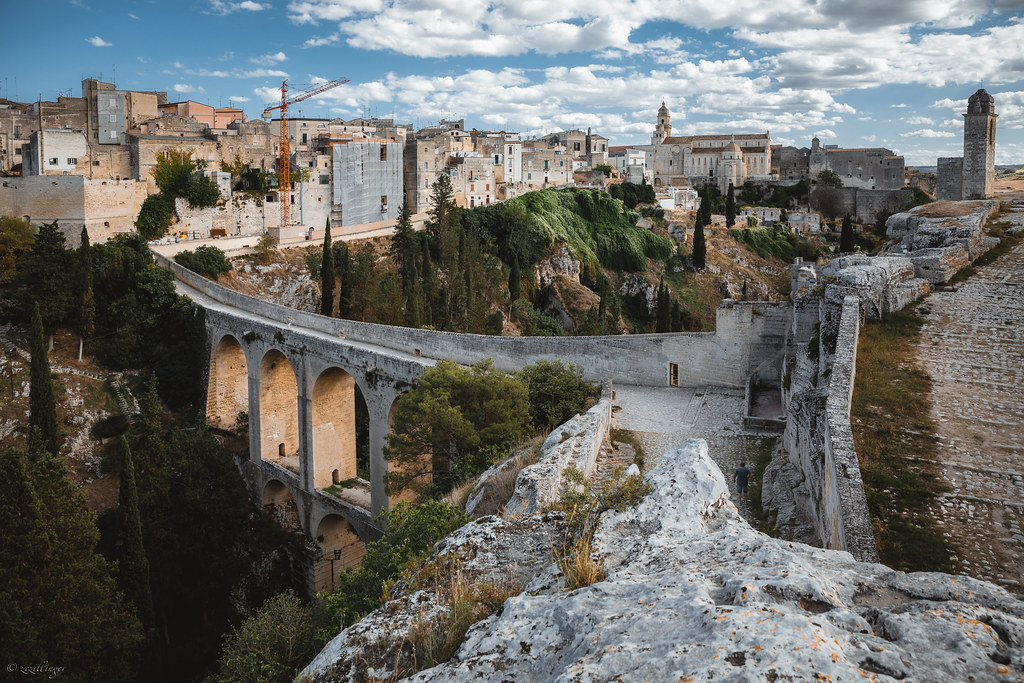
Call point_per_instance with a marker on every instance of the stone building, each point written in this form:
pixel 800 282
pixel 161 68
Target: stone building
pixel 367 181
pixel 971 176
pixel 870 168
pixel 682 161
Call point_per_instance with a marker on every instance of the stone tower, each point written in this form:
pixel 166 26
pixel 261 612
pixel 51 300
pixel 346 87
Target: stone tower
pixel 979 146
pixel 664 127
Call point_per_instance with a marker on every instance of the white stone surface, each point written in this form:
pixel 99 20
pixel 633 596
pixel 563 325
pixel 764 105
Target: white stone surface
pixel 693 593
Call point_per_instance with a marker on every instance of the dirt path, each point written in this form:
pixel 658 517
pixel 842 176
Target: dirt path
pixel 972 345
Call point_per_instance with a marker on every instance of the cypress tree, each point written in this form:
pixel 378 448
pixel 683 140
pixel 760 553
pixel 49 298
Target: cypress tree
pixel 429 287
pixel 662 320
pixel 85 318
pixel 730 208
pixel 846 237
pixel 412 310
pixel 515 282
pixel 677 316
pixel 345 270
pixel 327 275
pixel 700 249
pixel 133 567
pixel 42 407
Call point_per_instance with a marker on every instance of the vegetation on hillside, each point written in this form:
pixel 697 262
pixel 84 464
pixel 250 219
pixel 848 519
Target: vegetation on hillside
pixel 176 175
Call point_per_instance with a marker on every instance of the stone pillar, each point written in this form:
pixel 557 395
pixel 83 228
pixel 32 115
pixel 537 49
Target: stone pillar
pixel 253 371
pixel 379 408
pixel 979 146
pixel 305 399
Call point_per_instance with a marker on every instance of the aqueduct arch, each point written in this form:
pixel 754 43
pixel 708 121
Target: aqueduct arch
pixel 228 393
pixel 334 428
pixel 279 503
pixel 340 547
pixel 279 410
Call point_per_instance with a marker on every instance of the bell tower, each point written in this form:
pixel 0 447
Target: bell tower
pixel 664 127
pixel 979 146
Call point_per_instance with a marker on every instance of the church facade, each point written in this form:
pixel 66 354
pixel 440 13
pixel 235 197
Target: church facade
pixel 694 160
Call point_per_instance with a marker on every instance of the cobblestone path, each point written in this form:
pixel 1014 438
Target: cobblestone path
pixel 972 345
pixel 664 417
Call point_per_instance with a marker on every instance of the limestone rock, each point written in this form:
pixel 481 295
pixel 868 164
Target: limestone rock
pixel 693 593
pixel 569 301
pixel 633 285
pixel 883 283
pixel 560 262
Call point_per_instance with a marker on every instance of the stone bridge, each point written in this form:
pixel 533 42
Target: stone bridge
pixel 296 374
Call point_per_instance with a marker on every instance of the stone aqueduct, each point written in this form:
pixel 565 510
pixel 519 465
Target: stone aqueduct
pixel 295 374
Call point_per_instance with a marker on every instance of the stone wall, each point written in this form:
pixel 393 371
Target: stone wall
pixel 750 337
pixel 105 207
pixel 573 444
pixel 240 215
pixel 950 183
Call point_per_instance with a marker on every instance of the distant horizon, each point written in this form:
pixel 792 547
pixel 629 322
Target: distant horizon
pixel 848 73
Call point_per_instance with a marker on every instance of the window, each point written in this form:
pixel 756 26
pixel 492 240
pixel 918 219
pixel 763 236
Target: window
pixel 17 151
pixel 17 131
pixel 113 118
pixel 425 167
pixel 673 375
pixel 545 164
pixel 72 161
pixel 325 179
pixel 383 152
pixel 95 163
pixel 113 135
pixel 383 203
pixel 303 138
pixel 113 102
pixel 53 161
pixel 575 146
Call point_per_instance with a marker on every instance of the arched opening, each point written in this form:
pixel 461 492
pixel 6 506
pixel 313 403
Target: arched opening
pixel 279 411
pixel 279 503
pixel 228 399
pixel 340 548
pixel 422 465
pixel 334 428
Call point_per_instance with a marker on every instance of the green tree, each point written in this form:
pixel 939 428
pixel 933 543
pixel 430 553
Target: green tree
pixel 846 237
pixel 155 216
pixel 42 413
pixel 429 282
pixel 404 249
pixel 730 207
pixel 85 309
pixel 444 422
pixel 173 171
pixel 515 282
pixel 829 178
pixel 343 265
pixel 266 248
pixel 327 276
pixel 200 192
pixel 133 567
pixel 273 644
pixel 700 249
pixel 207 261
pixel 48 269
pixel 16 240
pixel 443 216
pixel 556 391
pixel 663 320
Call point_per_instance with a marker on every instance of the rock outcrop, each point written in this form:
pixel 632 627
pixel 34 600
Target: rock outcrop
pixel 941 238
pixel 560 262
pixel 692 592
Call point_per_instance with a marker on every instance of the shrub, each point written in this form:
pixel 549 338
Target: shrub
pixel 201 192
pixel 265 249
pixel 274 643
pixel 556 390
pixel 155 216
pixel 109 427
pixel 207 261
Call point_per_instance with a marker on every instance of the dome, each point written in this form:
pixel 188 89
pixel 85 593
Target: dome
pixel 981 103
pixel 663 110
pixel 733 147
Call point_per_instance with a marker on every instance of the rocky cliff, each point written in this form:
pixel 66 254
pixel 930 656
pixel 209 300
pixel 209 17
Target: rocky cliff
pixel 692 592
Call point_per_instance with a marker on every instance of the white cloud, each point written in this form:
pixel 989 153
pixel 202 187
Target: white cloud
pixel 899 106
pixel 918 121
pixel 260 73
pixel 318 41
pixel 183 88
pixel 826 134
pixel 96 41
pixel 238 98
pixel 269 59
pixel 132 16
pixel 932 133
pixel 223 7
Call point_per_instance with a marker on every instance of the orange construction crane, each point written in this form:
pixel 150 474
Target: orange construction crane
pixel 284 154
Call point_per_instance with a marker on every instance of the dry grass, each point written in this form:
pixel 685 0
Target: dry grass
pixel 466 599
pixel 578 565
pixel 946 209
pixel 892 431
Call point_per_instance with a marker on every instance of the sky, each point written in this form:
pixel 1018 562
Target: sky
pixel 856 73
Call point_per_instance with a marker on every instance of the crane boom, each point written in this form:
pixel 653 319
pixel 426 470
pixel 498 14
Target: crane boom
pixel 284 152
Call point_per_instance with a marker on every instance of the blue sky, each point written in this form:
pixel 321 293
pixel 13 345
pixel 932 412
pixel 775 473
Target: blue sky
pixel 892 73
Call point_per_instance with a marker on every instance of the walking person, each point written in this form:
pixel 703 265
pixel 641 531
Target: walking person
pixel 742 478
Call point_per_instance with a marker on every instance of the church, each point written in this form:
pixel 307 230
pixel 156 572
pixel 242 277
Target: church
pixel 695 160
